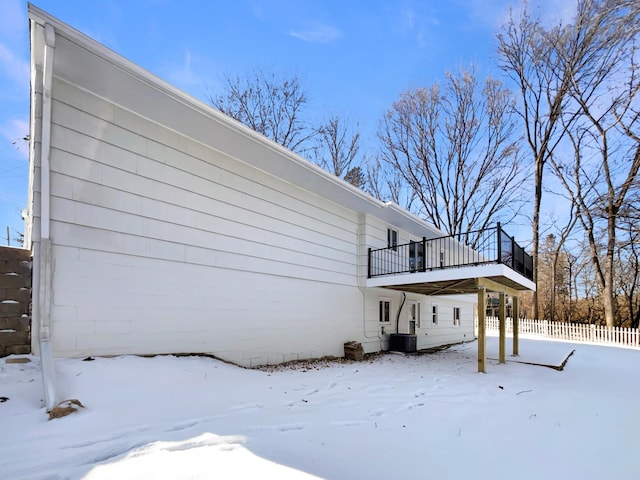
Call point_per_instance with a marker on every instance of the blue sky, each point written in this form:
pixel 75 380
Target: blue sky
pixel 353 57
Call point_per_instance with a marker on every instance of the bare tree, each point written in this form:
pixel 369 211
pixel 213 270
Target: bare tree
pixel 627 280
pixel 269 104
pixel 554 266
pixel 376 180
pixel 550 65
pixel 337 150
pixel 455 147
pixel 605 130
pixel 528 54
pixel 337 144
pixel 386 184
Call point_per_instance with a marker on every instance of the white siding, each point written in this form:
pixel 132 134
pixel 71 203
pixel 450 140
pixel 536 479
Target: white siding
pixel 175 229
pixel 445 333
pixel 162 244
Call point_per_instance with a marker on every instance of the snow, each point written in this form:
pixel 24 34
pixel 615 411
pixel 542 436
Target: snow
pixel 390 416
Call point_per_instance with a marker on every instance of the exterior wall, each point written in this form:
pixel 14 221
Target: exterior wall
pixel 162 244
pixel 445 332
pixel 175 229
pixel 428 334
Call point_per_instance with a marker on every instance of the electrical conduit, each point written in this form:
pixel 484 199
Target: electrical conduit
pixel 404 299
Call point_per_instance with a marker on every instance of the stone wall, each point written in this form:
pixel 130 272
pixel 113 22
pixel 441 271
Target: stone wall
pixel 15 301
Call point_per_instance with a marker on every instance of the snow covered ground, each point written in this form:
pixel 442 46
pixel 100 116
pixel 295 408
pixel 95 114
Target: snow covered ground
pixel 391 416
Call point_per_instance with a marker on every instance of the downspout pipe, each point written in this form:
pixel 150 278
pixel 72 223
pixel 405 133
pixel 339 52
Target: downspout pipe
pixel 45 260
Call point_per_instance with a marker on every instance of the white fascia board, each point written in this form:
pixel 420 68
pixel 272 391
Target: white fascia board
pixel 447 274
pixel 172 108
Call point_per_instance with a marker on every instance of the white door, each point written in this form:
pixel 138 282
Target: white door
pixel 413 312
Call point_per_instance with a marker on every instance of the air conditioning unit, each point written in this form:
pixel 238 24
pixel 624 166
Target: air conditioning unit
pixel 403 342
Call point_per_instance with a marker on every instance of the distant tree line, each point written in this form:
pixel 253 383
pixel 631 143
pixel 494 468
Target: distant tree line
pixel 467 152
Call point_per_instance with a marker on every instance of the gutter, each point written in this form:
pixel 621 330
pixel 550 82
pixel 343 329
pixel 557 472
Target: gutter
pixel 43 319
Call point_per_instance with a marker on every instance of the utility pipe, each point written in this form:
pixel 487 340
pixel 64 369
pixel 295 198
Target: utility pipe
pixel 404 299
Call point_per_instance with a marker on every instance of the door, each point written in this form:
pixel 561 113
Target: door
pixel 413 316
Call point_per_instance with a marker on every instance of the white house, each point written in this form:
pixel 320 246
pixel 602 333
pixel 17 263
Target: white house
pixel 160 225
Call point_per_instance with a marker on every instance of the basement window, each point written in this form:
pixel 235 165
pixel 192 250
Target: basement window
pixel 434 314
pixel 385 310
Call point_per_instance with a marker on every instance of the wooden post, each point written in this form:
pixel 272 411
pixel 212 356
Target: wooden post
pixel 503 323
pixel 482 332
pixel 516 327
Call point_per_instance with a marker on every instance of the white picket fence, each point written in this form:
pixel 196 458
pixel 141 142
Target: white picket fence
pixel 570 332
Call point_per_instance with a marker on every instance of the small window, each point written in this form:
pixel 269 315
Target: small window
pixel 456 316
pixel 392 238
pixel 385 310
pixel 434 314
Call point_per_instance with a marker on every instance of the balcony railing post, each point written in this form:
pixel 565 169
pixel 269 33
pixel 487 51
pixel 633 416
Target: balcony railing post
pixel 369 264
pixel 513 252
pixel 499 233
pixel 424 254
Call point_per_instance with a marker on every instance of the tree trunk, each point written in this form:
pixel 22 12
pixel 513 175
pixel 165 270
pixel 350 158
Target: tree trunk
pixel 608 300
pixel 552 308
pixel 536 230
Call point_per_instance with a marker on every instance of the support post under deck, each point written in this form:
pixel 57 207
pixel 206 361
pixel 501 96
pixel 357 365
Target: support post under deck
pixel 502 314
pixel 482 332
pixel 516 327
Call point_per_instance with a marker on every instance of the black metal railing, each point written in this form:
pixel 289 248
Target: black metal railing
pixel 492 245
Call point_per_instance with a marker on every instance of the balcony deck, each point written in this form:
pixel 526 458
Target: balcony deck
pixel 446 265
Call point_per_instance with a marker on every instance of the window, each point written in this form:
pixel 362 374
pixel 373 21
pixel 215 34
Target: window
pixel 416 256
pixel 392 238
pixel 385 310
pixel 434 314
pixel 456 316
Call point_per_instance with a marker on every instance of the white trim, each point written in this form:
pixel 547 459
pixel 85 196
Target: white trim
pixel 435 312
pixel 43 317
pixel 390 301
pixel 418 316
pixel 456 321
pixel 461 273
pixel 392 237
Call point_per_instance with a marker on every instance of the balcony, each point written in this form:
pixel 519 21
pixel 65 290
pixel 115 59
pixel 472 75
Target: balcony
pixel 453 264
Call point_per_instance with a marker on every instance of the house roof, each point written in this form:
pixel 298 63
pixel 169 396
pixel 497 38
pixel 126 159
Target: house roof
pixel 88 64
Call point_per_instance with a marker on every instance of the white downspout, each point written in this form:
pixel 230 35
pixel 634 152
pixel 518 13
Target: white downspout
pixel 45 270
